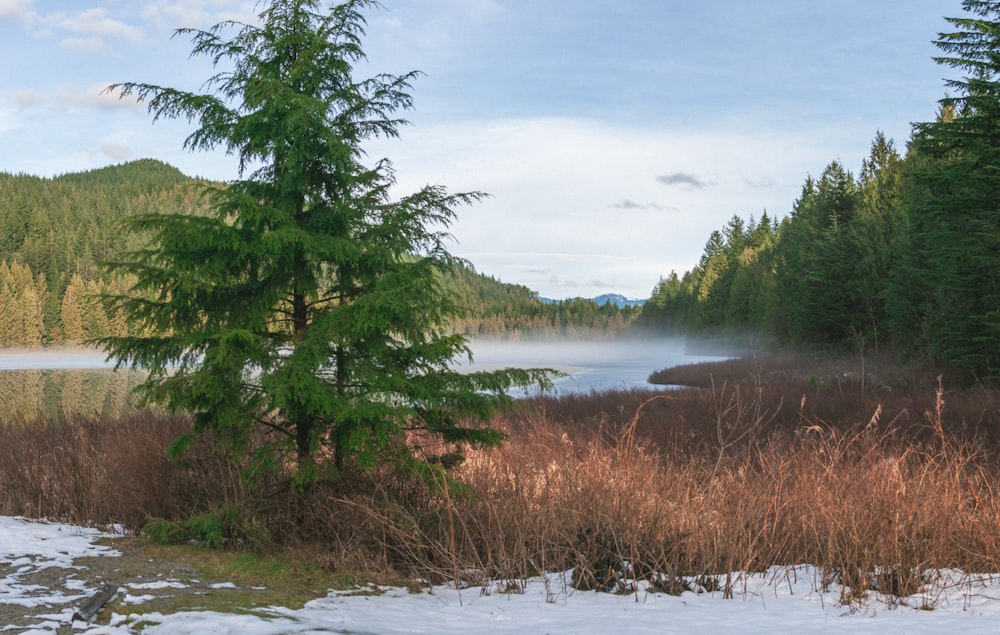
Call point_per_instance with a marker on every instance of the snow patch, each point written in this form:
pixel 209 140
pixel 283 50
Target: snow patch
pixel 781 600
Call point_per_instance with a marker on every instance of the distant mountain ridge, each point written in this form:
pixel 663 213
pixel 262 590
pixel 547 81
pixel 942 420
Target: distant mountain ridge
pixel 616 299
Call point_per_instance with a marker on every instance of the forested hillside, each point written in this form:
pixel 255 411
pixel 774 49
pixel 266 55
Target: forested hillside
pixel 55 233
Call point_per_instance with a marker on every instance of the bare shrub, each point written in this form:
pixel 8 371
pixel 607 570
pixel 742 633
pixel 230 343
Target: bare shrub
pixel 687 489
pixel 875 505
pixel 91 471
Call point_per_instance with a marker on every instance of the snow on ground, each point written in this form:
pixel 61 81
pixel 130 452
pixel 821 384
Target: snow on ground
pixel 783 600
pixel 28 547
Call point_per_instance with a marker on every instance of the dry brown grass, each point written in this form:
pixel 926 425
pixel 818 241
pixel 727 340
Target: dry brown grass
pixel 876 489
pixel 873 506
pixel 91 471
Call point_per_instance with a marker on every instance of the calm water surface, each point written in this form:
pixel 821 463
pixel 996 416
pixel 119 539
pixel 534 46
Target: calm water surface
pixel 67 383
pixel 52 360
pixel 600 365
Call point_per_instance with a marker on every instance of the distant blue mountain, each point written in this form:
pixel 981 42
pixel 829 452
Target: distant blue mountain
pixel 614 298
pixel 618 299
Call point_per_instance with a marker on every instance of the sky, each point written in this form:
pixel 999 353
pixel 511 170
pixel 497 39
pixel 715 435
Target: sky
pixel 613 136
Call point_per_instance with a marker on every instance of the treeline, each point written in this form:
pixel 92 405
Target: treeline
pixel 55 233
pixel 819 276
pixel 501 310
pixel 32 314
pixel 905 255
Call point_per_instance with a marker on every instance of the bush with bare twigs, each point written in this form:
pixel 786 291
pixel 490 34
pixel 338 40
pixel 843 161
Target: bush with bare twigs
pixel 686 489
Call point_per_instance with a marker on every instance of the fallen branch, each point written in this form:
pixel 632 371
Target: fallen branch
pixel 95 603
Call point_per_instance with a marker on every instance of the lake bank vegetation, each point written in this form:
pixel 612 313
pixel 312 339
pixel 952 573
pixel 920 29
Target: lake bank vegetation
pixel 879 488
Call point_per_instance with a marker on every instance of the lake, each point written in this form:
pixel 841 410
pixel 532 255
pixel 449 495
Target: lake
pixel 62 383
pixel 53 359
pixel 591 365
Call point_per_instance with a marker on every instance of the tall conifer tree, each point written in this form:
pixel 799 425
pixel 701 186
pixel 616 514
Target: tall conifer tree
pixel 308 306
pixel 955 212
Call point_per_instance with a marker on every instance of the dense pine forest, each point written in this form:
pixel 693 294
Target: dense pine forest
pixel 55 235
pixel 511 311
pixel 904 256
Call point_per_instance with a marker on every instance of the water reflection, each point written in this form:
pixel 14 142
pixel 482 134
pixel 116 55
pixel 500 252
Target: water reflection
pixel 62 385
pixel 31 395
pixel 590 365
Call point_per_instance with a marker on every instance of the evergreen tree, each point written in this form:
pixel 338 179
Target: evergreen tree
pixel 954 212
pixel 814 275
pixel 72 310
pixel 308 304
pixel 873 242
pixel 95 322
pixel 10 314
pixel 761 276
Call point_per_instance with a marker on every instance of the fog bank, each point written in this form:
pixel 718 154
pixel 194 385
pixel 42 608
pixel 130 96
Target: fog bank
pixel 53 359
pixel 589 365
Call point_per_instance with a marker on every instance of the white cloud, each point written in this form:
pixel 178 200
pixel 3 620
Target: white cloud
pixel 64 99
pixel 176 14
pixel 97 96
pixel 23 98
pixel 116 152
pixel 92 44
pixel 18 10
pixel 98 22
pixel 90 30
pixel 580 185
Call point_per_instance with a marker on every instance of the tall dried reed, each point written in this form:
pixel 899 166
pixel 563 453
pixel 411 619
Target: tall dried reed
pixel 875 505
pixel 684 486
pixel 86 470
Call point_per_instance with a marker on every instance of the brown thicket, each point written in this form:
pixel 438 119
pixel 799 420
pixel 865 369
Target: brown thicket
pixel 876 489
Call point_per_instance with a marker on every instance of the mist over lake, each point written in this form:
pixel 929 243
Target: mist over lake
pixel 81 381
pixel 590 365
pixel 53 359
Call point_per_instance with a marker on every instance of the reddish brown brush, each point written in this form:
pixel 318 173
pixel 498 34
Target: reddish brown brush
pixel 876 489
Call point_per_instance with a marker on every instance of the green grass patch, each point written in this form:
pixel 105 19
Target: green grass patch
pixel 260 580
pixel 286 572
